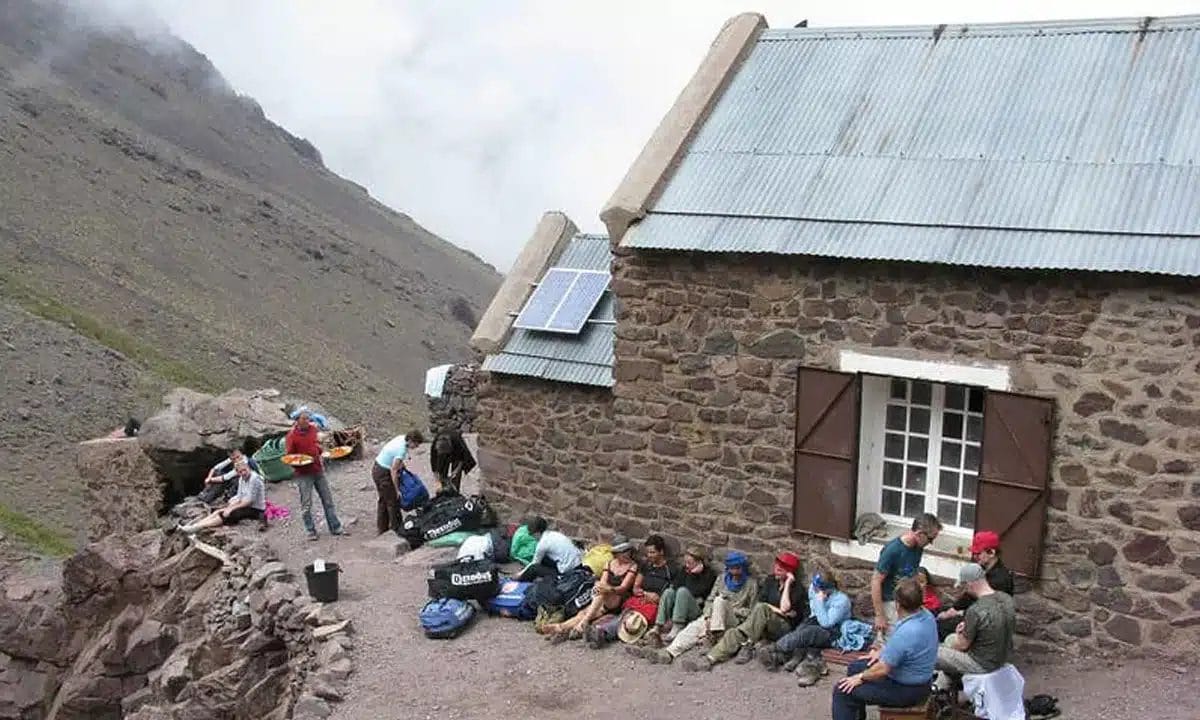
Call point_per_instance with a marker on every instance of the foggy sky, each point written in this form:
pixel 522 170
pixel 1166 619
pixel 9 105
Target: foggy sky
pixel 475 116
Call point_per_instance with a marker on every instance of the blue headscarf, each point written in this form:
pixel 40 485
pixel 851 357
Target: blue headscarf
pixel 738 560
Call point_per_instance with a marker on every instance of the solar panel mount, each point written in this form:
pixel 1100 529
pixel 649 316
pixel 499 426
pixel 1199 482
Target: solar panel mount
pixel 563 301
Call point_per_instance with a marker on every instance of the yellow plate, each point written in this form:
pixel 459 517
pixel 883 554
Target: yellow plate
pixel 296 459
pixel 340 451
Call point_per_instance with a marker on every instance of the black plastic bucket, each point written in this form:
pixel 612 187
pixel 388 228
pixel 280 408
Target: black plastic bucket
pixel 323 586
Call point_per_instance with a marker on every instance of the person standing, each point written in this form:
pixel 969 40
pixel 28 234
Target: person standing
pixel 898 560
pixel 302 440
pixel 983 642
pixel 901 673
pixel 985 550
pixel 385 473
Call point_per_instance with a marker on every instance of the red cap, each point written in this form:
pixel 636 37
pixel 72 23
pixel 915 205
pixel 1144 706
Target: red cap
pixel 985 540
pixel 788 560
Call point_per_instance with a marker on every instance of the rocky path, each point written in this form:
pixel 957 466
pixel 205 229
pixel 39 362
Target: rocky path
pixel 501 669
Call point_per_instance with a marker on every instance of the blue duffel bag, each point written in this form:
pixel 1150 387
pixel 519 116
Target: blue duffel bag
pixel 446 617
pixel 510 600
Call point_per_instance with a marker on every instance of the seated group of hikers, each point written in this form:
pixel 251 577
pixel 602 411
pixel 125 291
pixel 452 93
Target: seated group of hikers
pixel 663 609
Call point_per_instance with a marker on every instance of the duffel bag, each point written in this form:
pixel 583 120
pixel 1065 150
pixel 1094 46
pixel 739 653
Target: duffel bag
pixel 446 617
pixel 447 514
pixel 509 602
pixel 575 589
pixel 465 579
pixel 501 545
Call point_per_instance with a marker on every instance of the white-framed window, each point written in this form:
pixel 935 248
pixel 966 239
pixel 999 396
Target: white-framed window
pixel 920 435
pixel 931 450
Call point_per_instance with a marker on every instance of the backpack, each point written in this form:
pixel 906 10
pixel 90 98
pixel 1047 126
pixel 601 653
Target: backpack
pixel 465 579
pixel 501 545
pixel 446 617
pixel 510 600
pixel 575 589
pixel 1042 706
pixel 446 514
pixel 412 491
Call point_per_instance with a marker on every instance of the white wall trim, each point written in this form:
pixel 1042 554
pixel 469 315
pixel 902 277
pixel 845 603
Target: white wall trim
pixel 992 377
pixel 937 563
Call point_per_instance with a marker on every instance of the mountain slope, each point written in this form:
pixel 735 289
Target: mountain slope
pixel 146 206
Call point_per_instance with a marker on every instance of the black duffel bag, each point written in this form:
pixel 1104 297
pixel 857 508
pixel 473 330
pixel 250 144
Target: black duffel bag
pixel 446 514
pixel 465 579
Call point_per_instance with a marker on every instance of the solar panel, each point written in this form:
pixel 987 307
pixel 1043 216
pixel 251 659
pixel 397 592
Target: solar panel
pixel 563 301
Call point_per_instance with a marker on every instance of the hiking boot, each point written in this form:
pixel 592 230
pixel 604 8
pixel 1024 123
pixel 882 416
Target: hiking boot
pixel 576 634
pixel 312 536
pixel 745 654
pixel 660 657
pixel 557 638
pixel 653 638
pixel 638 651
pixel 595 637
pixel 793 663
pixel 702 663
pixel 670 636
pixel 808 674
pixel 819 663
pixel 341 533
pixel 771 659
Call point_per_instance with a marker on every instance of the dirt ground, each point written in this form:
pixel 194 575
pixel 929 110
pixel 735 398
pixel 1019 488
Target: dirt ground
pixel 500 668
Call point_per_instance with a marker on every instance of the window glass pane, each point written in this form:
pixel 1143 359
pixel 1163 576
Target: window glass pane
pixel 969 484
pixel 922 392
pixel 975 428
pixel 947 511
pixel 893 446
pixel 895 417
pixel 893 474
pixel 951 454
pixel 976 404
pixel 918 420
pixel 918 448
pixel 948 484
pixel 914 505
pixel 899 389
pixel 954 396
pixel 916 478
pixel 952 425
pixel 967 518
pixel 891 502
pixel 971 462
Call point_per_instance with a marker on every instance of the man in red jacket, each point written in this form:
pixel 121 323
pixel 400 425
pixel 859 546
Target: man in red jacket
pixel 302 439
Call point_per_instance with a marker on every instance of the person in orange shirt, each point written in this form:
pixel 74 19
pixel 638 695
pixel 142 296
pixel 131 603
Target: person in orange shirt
pixel 302 440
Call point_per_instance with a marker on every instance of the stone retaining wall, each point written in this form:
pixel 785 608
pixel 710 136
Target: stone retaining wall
pixel 698 439
pixel 456 409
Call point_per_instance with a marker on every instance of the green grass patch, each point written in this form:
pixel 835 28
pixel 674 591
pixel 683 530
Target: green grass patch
pixel 142 353
pixel 37 537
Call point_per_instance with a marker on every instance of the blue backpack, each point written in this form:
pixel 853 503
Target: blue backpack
pixel 446 617
pixel 412 491
pixel 510 601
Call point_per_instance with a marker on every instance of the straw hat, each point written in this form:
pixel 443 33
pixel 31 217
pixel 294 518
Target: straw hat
pixel 633 627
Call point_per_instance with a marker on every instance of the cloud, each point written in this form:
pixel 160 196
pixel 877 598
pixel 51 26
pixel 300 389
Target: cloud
pixel 475 117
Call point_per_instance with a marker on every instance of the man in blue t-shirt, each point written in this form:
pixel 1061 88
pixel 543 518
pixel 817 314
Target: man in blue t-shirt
pixel 385 473
pixel 899 675
pixel 899 559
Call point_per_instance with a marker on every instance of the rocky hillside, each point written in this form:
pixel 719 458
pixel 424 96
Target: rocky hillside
pixel 156 229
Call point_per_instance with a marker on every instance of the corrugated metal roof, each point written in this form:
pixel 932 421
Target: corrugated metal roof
pixel 1055 145
pixel 586 358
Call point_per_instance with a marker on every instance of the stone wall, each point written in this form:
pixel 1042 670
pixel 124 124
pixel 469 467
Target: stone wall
pixel 552 449
pixel 457 408
pixel 124 493
pixel 702 416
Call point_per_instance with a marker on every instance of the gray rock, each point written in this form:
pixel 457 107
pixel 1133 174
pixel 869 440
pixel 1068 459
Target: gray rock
pixel 310 707
pixel 387 547
pixel 330 652
pixel 268 570
pixel 325 687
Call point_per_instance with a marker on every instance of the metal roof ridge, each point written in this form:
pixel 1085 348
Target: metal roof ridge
pixel 1166 23
pixel 719 152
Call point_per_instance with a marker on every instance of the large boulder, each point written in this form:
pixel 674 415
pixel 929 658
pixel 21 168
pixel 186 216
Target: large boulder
pixel 124 493
pixel 105 576
pixel 26 687
pixel 195 431
pixel 32 626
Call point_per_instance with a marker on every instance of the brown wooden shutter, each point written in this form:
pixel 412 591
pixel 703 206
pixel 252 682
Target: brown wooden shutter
pixel 826 486
pixel 1014 476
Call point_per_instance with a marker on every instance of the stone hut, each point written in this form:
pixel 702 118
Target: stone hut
pixel 897 270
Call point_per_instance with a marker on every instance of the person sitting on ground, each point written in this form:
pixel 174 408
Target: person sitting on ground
pixel 899 559
pixel 654 577
pixel 250 503
pixel 899 674
pixel 450 459
pixel 555 553
pixel 931 599
pixel 729 603
pixel 612 588
pixel 385 473
pixel 800 649
pixel 221 482
pixel 985 550
pixel 782 601
pixel 683 602
pixel 983 642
